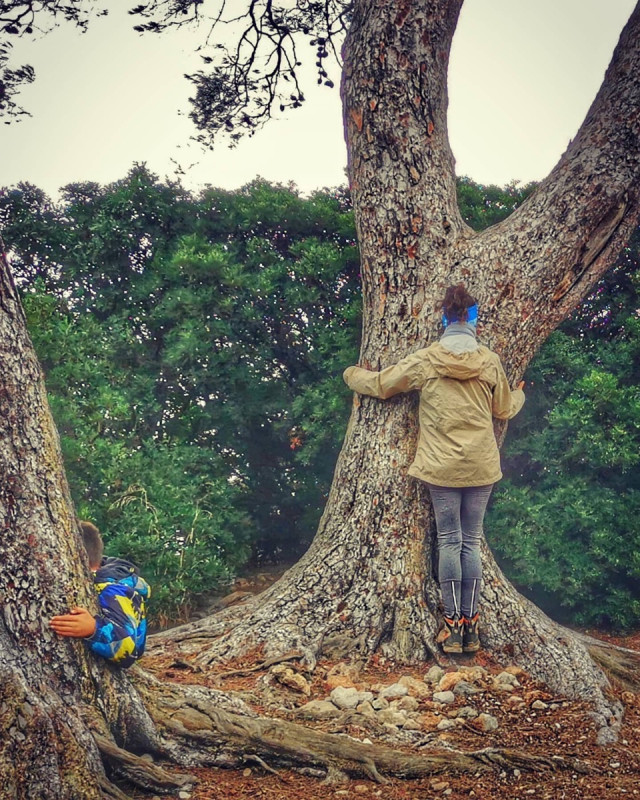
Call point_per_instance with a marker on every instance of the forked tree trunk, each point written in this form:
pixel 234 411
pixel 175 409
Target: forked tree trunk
pixel 64 715
pixel 367 581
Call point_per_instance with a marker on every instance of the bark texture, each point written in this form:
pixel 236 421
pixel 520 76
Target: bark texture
pixel 367 581
pixel 65 716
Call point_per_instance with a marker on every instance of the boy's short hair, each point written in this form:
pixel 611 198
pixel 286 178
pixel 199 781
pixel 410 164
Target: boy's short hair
pixel 92 542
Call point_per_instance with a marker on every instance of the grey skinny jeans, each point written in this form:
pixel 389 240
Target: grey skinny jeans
pixel 459 516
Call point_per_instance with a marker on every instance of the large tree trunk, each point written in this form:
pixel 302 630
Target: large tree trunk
pixel 68 721
pixel 367 581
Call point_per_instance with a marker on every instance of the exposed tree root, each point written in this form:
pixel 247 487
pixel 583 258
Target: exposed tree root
pixel 140 771
pixel 514 631
pixel 210 727
pixel 621 665
pixel 268 662
pixel 110 791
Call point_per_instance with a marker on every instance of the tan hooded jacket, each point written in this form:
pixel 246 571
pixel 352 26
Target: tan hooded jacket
pixel 459 395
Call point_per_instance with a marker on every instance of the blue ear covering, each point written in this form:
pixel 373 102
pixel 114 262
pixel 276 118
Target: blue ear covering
pixel 472 317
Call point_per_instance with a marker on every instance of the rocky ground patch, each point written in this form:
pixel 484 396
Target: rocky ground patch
pixel 471 704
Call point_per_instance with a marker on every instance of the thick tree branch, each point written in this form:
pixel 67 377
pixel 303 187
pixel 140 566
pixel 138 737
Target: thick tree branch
pixel 570 230
pixel 401 168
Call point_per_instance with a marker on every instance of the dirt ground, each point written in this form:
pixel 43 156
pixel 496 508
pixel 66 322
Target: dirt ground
pixel 561 728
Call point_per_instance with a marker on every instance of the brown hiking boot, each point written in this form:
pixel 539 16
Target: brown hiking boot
pixel 450 637
pixel 470 637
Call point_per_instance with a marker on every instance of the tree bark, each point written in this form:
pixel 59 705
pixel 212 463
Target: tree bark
pixel 367 581
pixel 69 722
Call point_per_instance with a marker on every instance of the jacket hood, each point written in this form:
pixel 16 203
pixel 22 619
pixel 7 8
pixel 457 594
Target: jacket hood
pixel 461 366
pixel 119 570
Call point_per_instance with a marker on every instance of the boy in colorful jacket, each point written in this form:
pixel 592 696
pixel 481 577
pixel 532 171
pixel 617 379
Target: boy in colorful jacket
pixel 118 633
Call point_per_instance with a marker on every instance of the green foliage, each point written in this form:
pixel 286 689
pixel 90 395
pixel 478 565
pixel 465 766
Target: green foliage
pixel 482 206
pixel 193 348
pixel 565 522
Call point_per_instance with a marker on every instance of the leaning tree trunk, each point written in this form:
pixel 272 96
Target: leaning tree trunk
pixel 367 581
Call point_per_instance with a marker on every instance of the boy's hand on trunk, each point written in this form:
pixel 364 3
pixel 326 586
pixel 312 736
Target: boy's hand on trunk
pixel 79 624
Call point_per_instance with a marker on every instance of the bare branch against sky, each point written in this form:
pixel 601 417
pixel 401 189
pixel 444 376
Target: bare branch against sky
pixel 522 77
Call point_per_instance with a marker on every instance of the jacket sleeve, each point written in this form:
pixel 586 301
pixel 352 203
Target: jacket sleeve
pixel 115 636
pixel 506 402
pixel 405 376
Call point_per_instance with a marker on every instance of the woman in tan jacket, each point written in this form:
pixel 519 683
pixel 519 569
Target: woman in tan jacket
pixel 462 387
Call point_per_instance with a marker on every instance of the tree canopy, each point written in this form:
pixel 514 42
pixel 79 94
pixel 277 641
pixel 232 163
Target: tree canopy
pixel 244 77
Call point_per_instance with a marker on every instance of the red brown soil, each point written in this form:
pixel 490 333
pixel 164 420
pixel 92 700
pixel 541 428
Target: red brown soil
pixel 614 770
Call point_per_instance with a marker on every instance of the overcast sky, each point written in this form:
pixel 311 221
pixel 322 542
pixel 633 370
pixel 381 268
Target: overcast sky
pixel 523 74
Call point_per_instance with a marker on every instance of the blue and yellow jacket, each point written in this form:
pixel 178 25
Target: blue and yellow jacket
pixel 121 627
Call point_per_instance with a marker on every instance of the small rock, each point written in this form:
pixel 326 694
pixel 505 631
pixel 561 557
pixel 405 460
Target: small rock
pixel 346 697
pixel 333 681
pixel 539 705
pixel 350 670
pixel 360 788
pixel 554 706
pixel 434 674
pixel 404 704
pixel 379 703
pixel 246 772
pixel 184 795
pixel 395 690
pixel 416 688
pixel 365 708
pixel 444 697
pixel 466 712
pixel 516 773
pixel 293 680
pixel 446 725
pixel 438 786
pixel 317 709
pixel 515 700
pixel 341 792
pixel 398 718
pixel 344 675
pixel 503 687
pixel 464 688
pixel 485 723
pixel 412 725
pixel 614 764
pixel 449 680
pixel 507 677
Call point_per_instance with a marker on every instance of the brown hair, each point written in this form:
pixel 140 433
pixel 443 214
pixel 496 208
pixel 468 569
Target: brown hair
pixel 456 302
pixel 92 542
